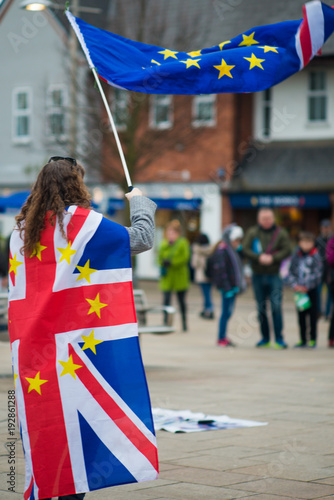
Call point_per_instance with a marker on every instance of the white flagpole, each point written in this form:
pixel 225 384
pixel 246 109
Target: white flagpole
pixel 112 123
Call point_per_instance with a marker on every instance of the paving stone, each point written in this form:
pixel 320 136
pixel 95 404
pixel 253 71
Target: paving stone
pixel 292 489
pixel 204 476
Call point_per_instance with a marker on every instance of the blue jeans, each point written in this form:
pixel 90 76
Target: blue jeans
pixel 269 287
pixel 227 310
pixel 328 300
pixel 206 291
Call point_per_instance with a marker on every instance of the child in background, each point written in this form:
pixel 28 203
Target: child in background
pixel 304 277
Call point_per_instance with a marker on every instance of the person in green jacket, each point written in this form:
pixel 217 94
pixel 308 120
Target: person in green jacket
pixel 174 255
pixel 266 245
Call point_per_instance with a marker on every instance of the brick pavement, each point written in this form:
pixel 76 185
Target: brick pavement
pixel 291 458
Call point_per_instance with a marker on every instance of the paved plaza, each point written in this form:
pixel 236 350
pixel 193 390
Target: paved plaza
pixel 293 390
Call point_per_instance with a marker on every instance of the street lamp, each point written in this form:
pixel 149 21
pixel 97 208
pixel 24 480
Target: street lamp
pixel 73 43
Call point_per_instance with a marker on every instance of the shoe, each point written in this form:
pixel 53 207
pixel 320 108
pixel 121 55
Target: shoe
pixel 263 343
pixel 280 345
pixel 312 344
pixel 225 343
pixel 331 343
pixel 300 345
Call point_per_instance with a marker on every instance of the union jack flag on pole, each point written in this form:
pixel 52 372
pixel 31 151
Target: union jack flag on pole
pixel 252 61
pixel 82 398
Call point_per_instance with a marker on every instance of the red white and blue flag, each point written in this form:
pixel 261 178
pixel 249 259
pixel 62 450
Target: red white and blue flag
pixel 252 61
pixel 82 397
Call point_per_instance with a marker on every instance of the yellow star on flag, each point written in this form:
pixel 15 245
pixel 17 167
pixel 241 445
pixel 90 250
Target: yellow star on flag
pixel 69 367
pixel 168 53
pixel 85 272
pixel 15 377
pixel 224 69
pixel 155 62
pixel 14 264
pixel 221 45
pixel 96 305
pixel 254 61
pixel 90 342
pixel 38 251
pixel 66 253
pixel 194 53
pixel 268 48
pixel 248 40
pixel 191 62
pixel 35 383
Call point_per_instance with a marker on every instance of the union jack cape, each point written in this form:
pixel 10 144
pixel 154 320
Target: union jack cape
pixel 82 399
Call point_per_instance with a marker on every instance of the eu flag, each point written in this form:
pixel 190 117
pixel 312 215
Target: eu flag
pixel 253 61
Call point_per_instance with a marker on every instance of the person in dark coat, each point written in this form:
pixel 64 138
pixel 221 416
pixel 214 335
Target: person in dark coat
pixel 304 277
pixel 266 245
pixel 330 261
pixel 226 272
pixel 320 243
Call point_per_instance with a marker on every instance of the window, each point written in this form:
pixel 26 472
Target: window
pixel 204 110
pixel 56 111
pixel 161 111
pixel 22 107
pixel 317 96
pixel 266 112
pixel 120 109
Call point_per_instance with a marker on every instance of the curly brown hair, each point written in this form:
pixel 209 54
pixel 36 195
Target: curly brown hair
pixel 58 185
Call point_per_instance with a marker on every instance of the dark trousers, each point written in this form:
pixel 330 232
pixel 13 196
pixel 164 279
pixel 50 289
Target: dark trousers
pixel 181 297
pixel 310 314
pixel 269 288
pixel 331 325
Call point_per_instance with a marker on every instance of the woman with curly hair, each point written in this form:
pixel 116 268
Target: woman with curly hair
pixel 72 318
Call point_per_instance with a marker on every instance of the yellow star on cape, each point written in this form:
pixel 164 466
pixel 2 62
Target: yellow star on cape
pixel 268 48
pixel 85 272
pixel 38 251
pixel 248 40
pixel 14 264
pixel 66 253
pixel 35 383
pixel 69 367
pixel 221 45
pixel 96 305
pixel 15 377
pixel 224 69
pixel 254 61
pixel 168 53
pixel 194 53
pixel 90 342
pixel 155 62
pixel 191 62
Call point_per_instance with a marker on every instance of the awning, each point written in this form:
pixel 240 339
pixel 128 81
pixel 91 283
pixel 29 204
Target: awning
pixel 14 201
pixel 115 204
pixel 275 200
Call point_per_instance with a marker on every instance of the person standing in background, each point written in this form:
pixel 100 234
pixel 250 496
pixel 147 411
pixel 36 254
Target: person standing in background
pixel 320 243
pixel 266 245
pixel 201 249
pixel 226 272
pixel 304 277
pixel 330 261
pixel 174 255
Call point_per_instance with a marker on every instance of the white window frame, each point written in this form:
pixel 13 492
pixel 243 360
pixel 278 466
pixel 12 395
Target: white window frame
pixel 16 113
pixel 266 104
pixel 317 93
pixel 166 100
pixel 122 104
pixel 200 99
pixel 52 109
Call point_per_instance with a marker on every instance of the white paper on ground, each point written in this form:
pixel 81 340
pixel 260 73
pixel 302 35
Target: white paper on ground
pixel 188 421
